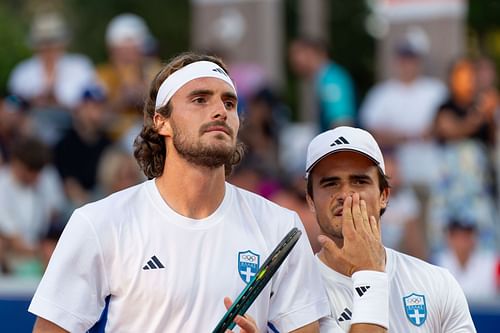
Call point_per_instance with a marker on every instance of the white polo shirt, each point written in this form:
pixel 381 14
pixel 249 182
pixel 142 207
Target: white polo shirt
pixel 423 298
pixel 164 272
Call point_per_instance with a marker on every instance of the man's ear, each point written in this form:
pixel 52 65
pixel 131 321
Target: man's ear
pixel 384 197
pixel 310 203
pixel 162 125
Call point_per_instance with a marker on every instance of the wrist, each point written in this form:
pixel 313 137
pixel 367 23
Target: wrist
pixel 370 298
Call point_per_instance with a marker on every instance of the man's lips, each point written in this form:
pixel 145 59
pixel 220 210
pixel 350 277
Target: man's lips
pixel 338 211
pixel 218 129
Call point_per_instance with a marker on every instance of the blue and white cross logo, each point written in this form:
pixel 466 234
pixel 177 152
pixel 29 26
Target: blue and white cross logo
pixel 415 308
pixel 248 265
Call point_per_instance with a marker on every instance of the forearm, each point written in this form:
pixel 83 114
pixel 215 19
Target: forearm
pixel 45 326
pixel 367 328
pixel 309 328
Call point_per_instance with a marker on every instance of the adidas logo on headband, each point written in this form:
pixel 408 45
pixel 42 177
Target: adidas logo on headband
pixel 220 70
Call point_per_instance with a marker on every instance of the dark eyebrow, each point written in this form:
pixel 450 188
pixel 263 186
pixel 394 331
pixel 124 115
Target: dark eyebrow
pixel 208 92
pixel 198 92
pixel 328 179
pixel 360 177
pixel 230 95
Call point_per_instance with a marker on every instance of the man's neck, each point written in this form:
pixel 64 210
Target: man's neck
pixel 192 191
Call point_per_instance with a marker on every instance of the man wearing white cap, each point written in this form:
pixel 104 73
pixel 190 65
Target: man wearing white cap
pixel 161 256
pixel 348 191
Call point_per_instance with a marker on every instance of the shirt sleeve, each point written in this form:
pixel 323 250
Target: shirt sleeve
pixel 298 297
pixel 73 289
pixel 455 311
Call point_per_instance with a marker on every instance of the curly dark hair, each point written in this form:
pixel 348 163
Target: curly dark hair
pixel 149 146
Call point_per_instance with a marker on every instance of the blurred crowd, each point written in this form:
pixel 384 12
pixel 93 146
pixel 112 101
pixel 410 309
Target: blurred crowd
pixel 67 128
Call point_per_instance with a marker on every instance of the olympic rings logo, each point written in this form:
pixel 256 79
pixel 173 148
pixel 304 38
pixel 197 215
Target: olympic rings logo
pixel 414 301
pixel 248 257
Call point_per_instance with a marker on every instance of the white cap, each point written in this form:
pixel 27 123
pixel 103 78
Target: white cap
pixel 48 27
pixel 127 27
pixel 343 138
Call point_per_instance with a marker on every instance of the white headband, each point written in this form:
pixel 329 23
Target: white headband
pixel 190 72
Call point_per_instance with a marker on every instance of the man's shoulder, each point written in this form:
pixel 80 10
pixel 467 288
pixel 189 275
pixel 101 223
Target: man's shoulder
pixel 405 264
pixel 255 199
pixel 114 205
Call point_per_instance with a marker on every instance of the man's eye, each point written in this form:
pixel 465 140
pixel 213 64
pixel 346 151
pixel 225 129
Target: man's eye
pixel 230 105
pixel 199 100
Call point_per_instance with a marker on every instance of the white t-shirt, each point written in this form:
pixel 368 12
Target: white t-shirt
pixel 26 211
pixel 403 108
pixel 422 297
pixel 477 278
pixel 168 273
pixel 407 109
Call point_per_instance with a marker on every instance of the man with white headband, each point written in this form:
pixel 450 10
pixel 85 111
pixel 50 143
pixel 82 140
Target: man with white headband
pixel 348 191
pixel 163 255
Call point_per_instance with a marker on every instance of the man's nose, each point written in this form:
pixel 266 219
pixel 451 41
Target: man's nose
pixel 220 111
pixel 345 191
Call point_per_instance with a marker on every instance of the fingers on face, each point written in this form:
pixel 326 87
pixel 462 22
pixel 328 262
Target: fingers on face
pixel 375 226
pixel 348 227
pixel 356 211
pixel 365 221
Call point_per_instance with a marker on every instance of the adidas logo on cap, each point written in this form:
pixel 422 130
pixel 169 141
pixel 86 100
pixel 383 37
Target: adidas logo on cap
pixel 343 138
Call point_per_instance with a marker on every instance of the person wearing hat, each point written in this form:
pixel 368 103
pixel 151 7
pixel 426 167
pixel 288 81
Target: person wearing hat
pixel 399 111
pixel 348 191
pixel 128 71
pixel 51 78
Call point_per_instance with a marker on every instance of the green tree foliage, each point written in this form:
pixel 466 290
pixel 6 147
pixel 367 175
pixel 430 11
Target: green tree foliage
pixel 13 41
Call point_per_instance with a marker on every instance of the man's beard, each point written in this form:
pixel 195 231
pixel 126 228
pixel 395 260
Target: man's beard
pixel 334 232
pixel 212 156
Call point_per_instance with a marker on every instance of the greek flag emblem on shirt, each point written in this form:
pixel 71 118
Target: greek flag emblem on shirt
pixel 248 265
pixel 415 308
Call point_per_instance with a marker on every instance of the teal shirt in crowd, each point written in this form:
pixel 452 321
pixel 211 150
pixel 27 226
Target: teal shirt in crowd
pixel 335 92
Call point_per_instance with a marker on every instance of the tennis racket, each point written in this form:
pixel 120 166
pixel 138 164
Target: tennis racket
pixel 254 288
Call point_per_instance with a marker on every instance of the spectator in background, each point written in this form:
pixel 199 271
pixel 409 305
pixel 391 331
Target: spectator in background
pixel 400 111
pixel 127 73
pixel 31 198
pixel 14 123
pixel 486 80
pixel 403 228
pixel 475 270
pixel 117 170
pixel 52 79
pixel 264 117
pixel 464 126
pixel 77 154
pixel 333 85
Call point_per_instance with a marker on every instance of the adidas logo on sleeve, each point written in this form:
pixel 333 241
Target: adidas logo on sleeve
pixel 345 315
pixel 153 263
